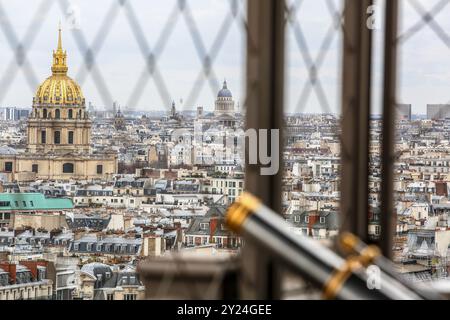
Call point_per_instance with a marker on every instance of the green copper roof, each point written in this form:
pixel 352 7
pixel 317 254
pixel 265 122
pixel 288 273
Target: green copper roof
pixel 32 201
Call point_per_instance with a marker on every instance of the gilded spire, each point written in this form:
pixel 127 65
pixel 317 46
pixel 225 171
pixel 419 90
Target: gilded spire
pixel 59 38
pixel 59 66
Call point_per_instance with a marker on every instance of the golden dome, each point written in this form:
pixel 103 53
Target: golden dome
pixel 59 89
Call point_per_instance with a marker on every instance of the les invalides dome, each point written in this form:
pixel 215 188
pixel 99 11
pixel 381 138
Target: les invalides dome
pixel 59 122
pixel 59 133
pixel 59 89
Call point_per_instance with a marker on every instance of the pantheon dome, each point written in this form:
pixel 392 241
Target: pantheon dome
pixel 224 103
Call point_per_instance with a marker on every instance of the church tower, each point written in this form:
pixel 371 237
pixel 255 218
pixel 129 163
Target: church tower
pixel 119 121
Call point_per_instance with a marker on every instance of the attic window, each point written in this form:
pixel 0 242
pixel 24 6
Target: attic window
pixel 32 203
pixel 322 219
pixel 307 219
pixel 204 226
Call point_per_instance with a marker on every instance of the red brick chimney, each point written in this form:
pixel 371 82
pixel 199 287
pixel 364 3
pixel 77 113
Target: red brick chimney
pixel 213 222
pixel 11 269
pixel 33 266
pixel 441 188
pixel 313 219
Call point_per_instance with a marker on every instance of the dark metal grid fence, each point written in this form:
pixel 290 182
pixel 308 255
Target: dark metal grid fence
pixel 150 55
pixel 333 17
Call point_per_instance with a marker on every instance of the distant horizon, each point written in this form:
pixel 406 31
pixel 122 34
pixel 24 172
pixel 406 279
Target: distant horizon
pixel 187 110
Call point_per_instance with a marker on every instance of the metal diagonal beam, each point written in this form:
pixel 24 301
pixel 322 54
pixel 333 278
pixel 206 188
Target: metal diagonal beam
pixel 207 58
pixel 429 19
pixel 89 59
pixel 20 48
pixel 98 42
pixel 151 57
pixel 313 64
pixel 426 18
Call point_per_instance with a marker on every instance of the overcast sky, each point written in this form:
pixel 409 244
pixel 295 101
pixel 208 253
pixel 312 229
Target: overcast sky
pixel 424 62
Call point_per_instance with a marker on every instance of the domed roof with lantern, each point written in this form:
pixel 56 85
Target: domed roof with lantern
pixel 59 89
pixel 224 92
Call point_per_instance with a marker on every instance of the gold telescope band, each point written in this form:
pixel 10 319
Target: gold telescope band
pixel 348 242
pixel 340 276
pixel 238 212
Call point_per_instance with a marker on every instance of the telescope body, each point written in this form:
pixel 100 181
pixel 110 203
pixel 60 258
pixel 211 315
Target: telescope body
pixel 350 278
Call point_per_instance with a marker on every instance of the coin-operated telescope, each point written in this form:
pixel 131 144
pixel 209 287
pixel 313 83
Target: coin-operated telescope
pixel 363 274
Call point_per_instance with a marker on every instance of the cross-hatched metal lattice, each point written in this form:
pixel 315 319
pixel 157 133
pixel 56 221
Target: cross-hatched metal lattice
pixel 428 14
pixel 150 53
pixel 332 16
